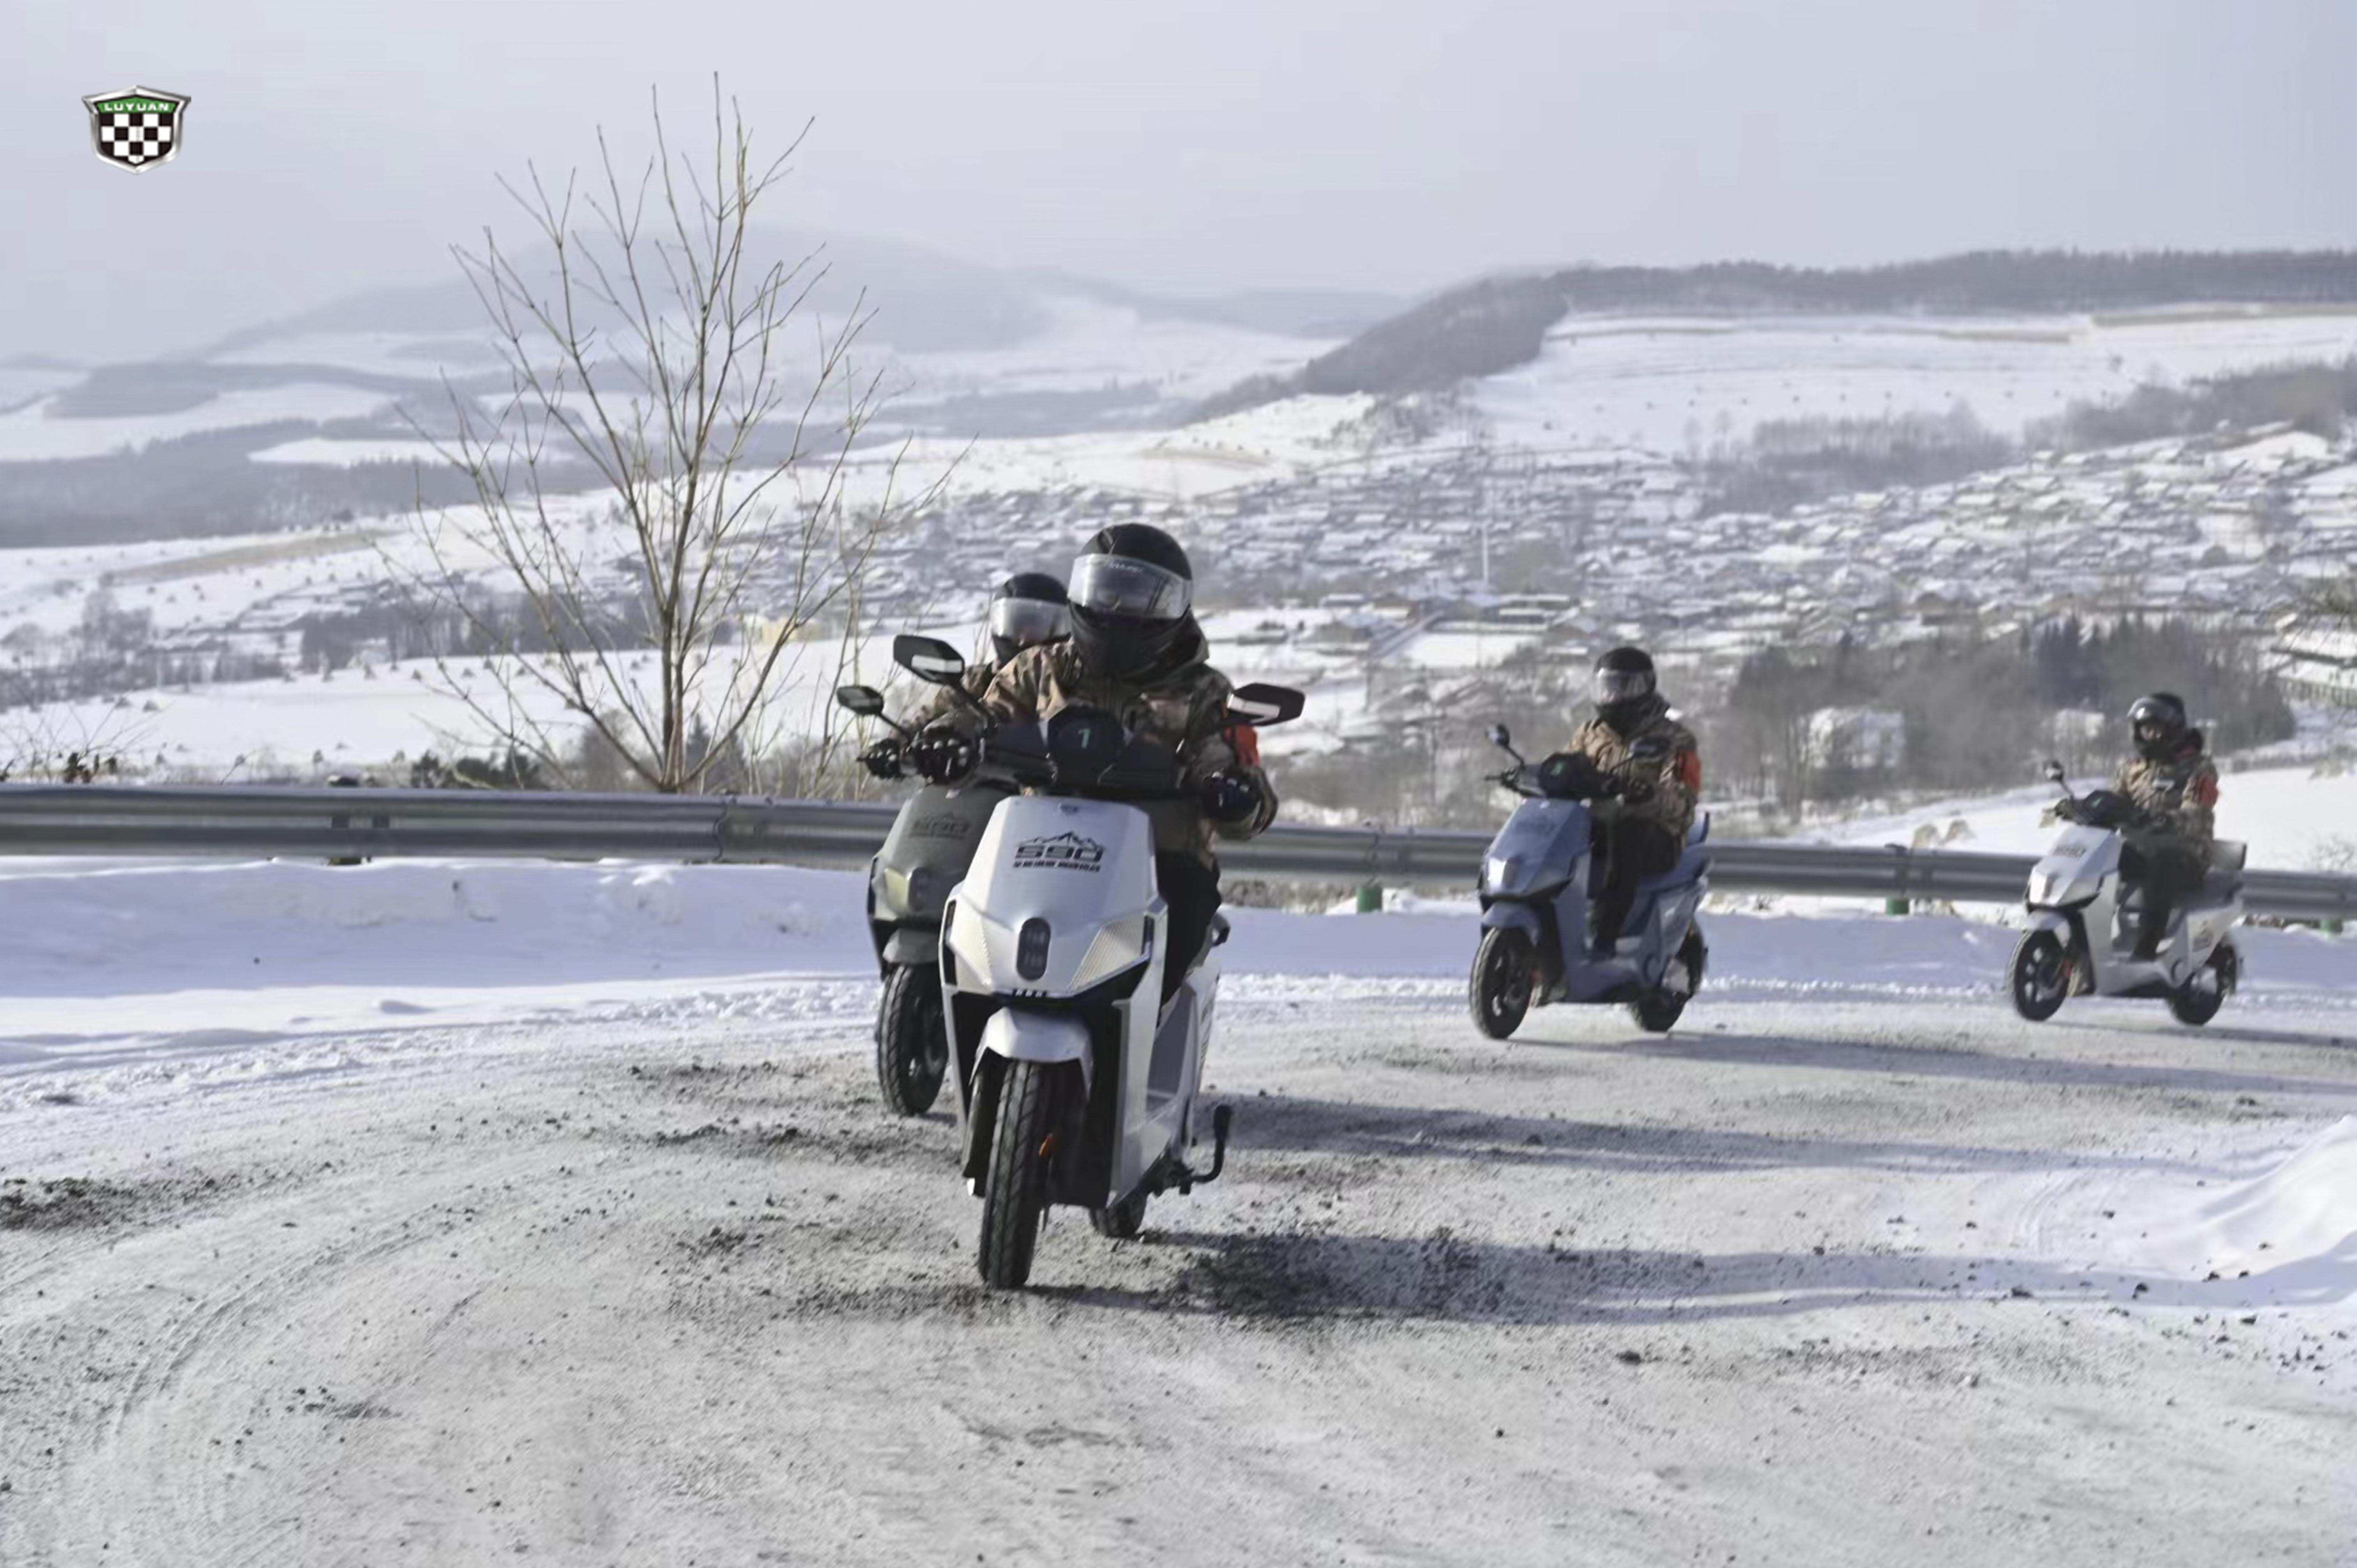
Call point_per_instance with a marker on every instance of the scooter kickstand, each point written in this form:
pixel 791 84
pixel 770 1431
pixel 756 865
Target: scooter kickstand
pixel 1223 1117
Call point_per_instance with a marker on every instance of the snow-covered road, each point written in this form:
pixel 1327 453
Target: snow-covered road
pixel 1825 1278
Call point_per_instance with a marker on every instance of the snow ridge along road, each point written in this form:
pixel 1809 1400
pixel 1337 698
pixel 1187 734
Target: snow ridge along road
pixel 549 1213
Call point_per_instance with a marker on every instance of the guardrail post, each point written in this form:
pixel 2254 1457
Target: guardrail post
pixel 1370 898
pixel 2331 927
pixel 1894 906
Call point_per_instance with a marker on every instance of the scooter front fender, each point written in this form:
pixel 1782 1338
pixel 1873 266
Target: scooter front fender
pixel 1022 1036
pixel 913 947
pixel 2055 920
pixel 1513 915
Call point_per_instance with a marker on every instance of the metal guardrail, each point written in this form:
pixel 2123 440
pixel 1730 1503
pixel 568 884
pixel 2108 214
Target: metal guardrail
pixel 331 823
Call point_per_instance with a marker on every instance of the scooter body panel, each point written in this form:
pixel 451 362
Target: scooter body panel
pixel 1058 937
pixel 2076 891
pixel 926 853
pixel 1535 878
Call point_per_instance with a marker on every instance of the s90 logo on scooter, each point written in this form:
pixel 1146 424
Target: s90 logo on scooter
pixel 1066 851
pixel 947 826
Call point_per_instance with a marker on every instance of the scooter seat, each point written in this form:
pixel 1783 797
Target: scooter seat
pixel 1700 831
pixel 1220 928
pixel 2228 855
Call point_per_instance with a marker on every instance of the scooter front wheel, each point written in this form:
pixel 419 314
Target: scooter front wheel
pixel 912 1048
pixel 2041 976
pixel 1504 968
pixel 1015 1200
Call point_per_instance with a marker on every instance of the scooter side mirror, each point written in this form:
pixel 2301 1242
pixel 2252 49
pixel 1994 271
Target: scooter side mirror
pixel 2054 774
pixel 1260 704
pixel 928 658
pixel 865 701
pixel 1498 737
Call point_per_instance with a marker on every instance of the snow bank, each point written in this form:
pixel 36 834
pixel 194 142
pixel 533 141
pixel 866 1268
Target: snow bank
pixel 2294 819
pixel 118 957
pixel 2297 1224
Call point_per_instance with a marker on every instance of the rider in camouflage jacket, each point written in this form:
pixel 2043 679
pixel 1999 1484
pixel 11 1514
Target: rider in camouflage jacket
pixel 2175 785
pixel 1658 751
pixel 1181 708
pixel 2178 791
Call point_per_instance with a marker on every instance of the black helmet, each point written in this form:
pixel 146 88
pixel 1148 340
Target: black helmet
pixel 1028 608
pixel 1132 591
pixel 2157 723
pixel 1623 688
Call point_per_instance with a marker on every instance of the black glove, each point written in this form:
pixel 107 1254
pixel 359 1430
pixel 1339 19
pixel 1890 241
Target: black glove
pixel 1231 798
pixel 882 760
pixel 1636 791
pixel 943 756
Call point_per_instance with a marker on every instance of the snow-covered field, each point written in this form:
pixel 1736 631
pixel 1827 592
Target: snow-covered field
pixel 1668 383
pixel 444 1212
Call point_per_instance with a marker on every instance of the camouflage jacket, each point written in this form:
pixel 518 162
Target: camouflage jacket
pixel 2180 793
pixel 1182 710
pixel 1663 753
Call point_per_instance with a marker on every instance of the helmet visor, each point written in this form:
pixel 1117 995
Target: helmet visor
pixel 1118 585
pixel 1622 685
pixel 1026 621
pixel 2152 721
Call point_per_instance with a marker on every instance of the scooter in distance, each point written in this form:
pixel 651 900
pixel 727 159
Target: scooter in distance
pixel 1076 1086
pixel 1536 884
pixel 2080 936
pixel 932 844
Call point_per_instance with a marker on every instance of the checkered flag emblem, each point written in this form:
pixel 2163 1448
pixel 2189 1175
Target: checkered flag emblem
pixel 138 128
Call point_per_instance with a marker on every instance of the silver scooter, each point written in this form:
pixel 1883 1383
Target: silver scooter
pixel 1535 888
pixel 1077 1085
pixel 2080 933
pixel 930 846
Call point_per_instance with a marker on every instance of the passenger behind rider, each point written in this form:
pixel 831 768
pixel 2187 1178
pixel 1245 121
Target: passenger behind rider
pixel 1636 742
pixel 1026 610
pixel 2172 782
pixel 1137 652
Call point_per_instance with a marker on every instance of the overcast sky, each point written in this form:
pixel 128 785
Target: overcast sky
pixel 1191 144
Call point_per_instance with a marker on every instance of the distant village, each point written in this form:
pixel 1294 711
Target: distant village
pixel 1414 564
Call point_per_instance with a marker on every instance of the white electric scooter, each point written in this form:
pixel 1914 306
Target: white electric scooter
pixel 2080 933
pixel 1075 1085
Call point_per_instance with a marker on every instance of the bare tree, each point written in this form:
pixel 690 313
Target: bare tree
pixel 653 357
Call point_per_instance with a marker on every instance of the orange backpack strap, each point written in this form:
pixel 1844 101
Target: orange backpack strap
pixel 1687 769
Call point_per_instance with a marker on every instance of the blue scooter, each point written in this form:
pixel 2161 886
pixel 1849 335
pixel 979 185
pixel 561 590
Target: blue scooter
pixel 1536 884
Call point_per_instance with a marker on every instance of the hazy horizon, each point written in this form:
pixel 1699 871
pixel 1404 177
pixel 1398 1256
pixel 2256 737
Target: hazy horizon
pixel 1379 145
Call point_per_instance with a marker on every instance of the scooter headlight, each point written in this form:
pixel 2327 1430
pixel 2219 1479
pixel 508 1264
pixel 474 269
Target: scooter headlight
pixel 1498 870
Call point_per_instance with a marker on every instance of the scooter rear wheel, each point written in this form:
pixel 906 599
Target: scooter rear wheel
pixel 1014 1199
pixel 1504 969
pixel 1658 1012
pixel 2041 977
pixel 2204 992
pixel 912 1048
